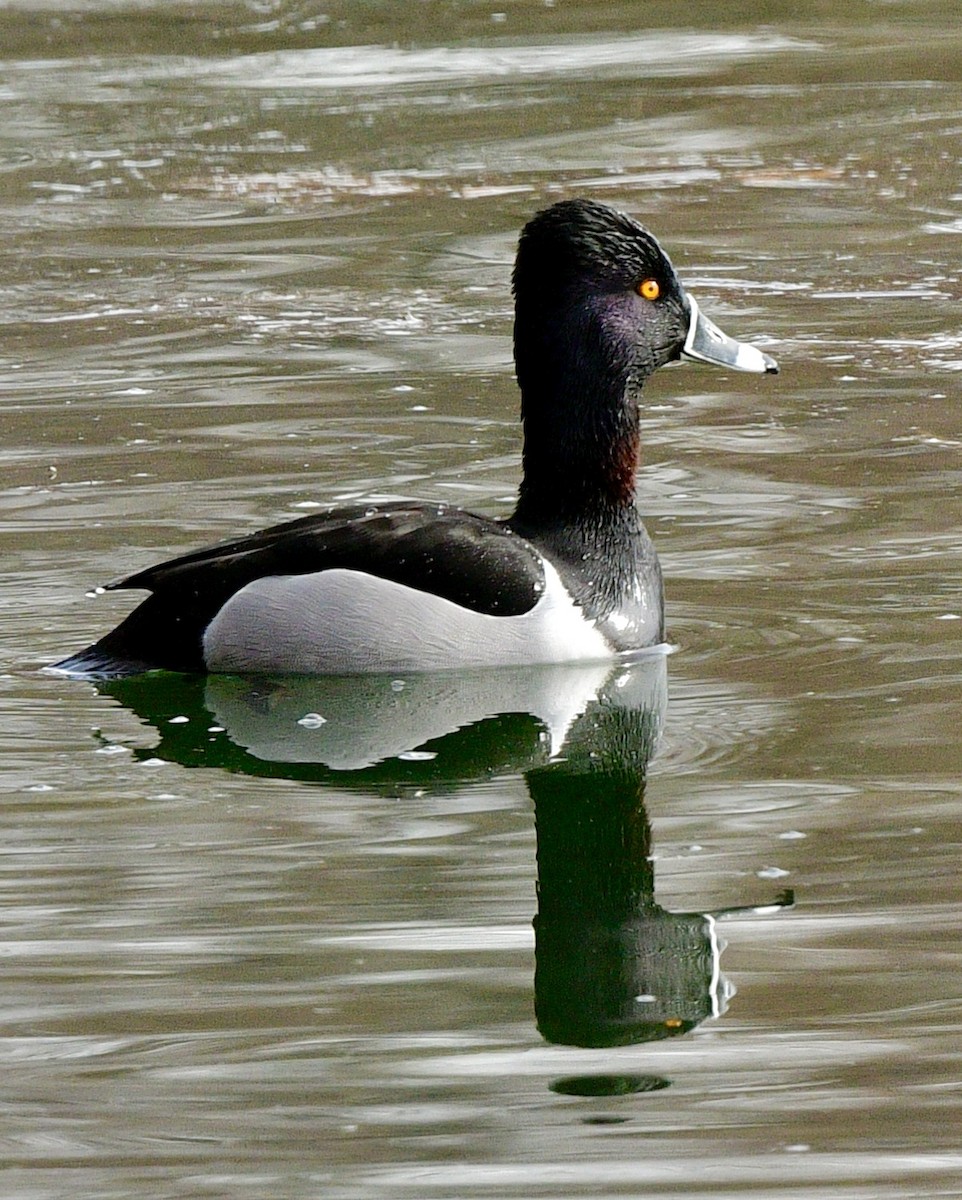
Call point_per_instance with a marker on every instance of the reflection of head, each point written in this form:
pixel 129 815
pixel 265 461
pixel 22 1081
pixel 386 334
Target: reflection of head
pixel 604 983
pixel 612 967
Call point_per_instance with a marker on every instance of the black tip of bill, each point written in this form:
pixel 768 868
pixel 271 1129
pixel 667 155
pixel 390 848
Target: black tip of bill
pixel 706 343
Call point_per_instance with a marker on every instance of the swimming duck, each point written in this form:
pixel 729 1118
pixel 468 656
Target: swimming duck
pixel 571 575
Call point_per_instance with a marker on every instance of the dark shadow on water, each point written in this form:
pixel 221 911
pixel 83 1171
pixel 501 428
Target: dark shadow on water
pixel 613 967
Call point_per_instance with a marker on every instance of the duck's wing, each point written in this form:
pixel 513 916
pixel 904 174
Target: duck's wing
pixel 472 561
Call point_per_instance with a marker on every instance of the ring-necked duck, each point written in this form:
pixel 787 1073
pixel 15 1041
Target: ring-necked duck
pixel 571 575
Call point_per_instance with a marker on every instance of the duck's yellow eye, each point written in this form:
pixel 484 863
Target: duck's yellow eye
pixel 650 289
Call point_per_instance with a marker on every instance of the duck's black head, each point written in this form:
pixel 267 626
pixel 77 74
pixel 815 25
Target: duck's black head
pixel 595 295
pixel 598 308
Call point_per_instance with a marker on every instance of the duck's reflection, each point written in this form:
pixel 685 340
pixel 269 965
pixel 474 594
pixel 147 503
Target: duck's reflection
pixel 612 966
pixel 368 731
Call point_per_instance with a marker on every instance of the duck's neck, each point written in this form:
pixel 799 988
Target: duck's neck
pixel 580 460
pixel 576 502
pixel 577 367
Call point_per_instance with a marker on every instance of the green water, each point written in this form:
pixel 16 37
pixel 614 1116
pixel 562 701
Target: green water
pixel 255 258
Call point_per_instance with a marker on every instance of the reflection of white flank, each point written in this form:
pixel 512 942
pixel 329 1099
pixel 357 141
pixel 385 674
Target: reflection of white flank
pixel 370 718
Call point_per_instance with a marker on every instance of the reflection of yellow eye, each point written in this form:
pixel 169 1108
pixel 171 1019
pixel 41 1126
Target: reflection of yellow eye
pixel 649 288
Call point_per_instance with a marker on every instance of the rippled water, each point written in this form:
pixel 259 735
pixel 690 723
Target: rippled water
pixel 255 259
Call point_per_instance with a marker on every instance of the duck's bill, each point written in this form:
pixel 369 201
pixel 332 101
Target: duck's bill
pixel 706 343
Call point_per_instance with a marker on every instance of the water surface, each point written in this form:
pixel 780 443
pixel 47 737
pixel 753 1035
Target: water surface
pixel 255 259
